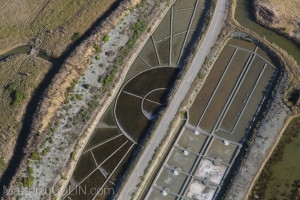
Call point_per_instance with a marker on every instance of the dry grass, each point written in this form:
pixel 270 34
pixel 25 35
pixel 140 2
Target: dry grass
pixel 51 23
pixel 18 73
pixel 288 14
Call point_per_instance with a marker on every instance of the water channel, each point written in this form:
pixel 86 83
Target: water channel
pixel 279 177
pixel 24 49
pixel 244 14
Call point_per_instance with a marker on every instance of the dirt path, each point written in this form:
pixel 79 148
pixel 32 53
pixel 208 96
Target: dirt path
pixel 180 94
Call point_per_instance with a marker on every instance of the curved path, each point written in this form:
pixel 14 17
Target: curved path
pixel 186 83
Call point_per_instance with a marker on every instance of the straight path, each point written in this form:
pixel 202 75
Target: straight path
pixel 186 83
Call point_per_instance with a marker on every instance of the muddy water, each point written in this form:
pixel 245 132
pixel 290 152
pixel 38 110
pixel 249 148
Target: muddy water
pixel 281 172
pixel 24 50
pixel 242 95
pixel 128 109
pixel 223 91
pixel 244 14
pixel 197 109
pixel 18 50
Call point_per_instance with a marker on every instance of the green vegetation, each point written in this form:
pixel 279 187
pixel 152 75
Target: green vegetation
pixel 44 153
pixel 106 38
pixel 79 96
pixel 137 27
pixel 98 48
pixel 110 77
pixel 2 164
pixel 63 177
pixel 26 181
pixel 76 36
pixel 97 57
pixel 87 86
pixel 35 155
pixel 101 80
pixel 16 97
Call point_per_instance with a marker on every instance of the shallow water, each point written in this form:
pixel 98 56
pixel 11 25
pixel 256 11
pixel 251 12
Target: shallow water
pixel 283 173
pixel 245 16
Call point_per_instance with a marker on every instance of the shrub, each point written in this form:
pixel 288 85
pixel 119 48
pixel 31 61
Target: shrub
pixel 35 155
pixel 16 97
pixel 27 182
pixel 2 164
pixel 46 151
pixel 101 80
pixel 73 156
pixel 10 88
pixel 106 38
pixel 97 57
pixel 79 96
pixel 87 86
pixel 67 101
pixel 30 170
pixel 76 36
pixel 63 177
pixel 43 144
pixel 50 139
pixel 98 48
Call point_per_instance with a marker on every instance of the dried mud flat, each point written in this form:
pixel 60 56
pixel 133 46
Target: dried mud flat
pixel 268 134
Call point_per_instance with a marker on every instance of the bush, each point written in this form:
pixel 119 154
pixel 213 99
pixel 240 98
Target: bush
pixel 106 38
pixel 27 182
pixel 30 170
pixel 76 36
pixel 10 88
pixel 98 48
pixel 46 151
pixel 101 80
pixel 87 86
pixel 35 155
pixel 2 164
pixel 97 57
pixel 79 96
pixel 63 177
pixel 16 97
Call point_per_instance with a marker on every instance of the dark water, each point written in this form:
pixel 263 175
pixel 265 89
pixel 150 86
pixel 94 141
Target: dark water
pixel 244 14
pixel 18 50
pixel 25 50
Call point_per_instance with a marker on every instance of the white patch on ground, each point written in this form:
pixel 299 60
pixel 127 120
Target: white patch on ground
pixel 207 169
pixel 198 191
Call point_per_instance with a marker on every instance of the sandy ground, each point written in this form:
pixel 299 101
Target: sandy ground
pixel 198 191
pixel 207 169
pixel 268 134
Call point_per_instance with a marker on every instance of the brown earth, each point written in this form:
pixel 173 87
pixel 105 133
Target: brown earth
pixel 281 16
